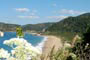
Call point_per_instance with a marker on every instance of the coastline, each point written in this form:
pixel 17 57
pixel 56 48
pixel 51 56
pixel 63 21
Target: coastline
pixel 50 43
pixel 47 43
pixel 41 44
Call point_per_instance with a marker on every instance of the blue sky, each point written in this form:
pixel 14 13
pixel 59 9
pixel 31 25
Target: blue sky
pixel 40 11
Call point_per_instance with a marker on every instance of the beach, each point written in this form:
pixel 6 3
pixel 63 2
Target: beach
pixel 49 43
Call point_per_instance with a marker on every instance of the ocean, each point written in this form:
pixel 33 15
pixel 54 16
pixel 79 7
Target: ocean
pixel 36 41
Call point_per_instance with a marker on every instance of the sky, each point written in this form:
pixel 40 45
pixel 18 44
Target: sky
pixel 40 11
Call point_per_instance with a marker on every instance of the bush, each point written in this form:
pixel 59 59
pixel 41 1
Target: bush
pixel 82 49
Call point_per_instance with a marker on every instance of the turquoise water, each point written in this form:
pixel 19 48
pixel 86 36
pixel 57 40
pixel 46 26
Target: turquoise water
pixel 34 40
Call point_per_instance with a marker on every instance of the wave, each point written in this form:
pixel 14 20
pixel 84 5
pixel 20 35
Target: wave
pixel 41 44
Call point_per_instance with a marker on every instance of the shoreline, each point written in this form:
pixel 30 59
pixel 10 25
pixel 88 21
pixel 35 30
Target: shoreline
pixel 50 43
pixel 41 44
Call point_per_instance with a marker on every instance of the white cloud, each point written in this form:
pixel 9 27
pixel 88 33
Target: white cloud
pixel 22 9
pixel 57 17
pixel 29 17
pixel 72 12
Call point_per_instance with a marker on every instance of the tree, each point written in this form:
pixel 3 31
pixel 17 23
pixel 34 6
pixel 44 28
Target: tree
pixel 19 32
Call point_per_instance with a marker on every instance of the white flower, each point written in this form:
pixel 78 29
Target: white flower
pixel 15 41
pixel 23 48
pixel 4 53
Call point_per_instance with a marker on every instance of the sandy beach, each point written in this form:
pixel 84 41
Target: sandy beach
pixel 49 43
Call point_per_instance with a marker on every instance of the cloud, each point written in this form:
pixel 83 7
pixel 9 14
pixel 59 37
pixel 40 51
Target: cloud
pixel 72 12
pixel 57 17
pixel 29 17
pixel 22 9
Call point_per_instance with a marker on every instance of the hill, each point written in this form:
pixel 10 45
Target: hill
pixel 36 27
pixel 8 27
pixel 70 26
pixel 27 27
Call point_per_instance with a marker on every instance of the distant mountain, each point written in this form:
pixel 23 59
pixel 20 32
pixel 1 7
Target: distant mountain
pixel 8 27
pixel 37 27
pixel 27 27
pixel 68 25
pixel 72 24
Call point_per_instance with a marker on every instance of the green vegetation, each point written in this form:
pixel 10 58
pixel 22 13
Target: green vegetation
pixel 36 27
pixel 28 27
pixel 19 32
pixel 8 27
pixel 63 53
pixel 82 48
pixel 67 29
pixel 70 26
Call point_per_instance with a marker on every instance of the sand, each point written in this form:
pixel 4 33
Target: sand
pixel 50 42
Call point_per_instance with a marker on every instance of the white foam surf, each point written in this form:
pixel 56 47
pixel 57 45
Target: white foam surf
pixel 41 44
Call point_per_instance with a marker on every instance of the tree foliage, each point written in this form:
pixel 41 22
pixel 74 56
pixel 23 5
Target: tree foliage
pixel 82 49
pixel 70 26
pixel 19 32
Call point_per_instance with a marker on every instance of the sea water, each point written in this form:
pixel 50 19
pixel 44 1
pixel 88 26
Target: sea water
pixel 34 40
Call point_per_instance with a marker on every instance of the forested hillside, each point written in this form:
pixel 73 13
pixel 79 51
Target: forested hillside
pixel 71 25
pixel 27 27
pixel 8 27
pixel 36 27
